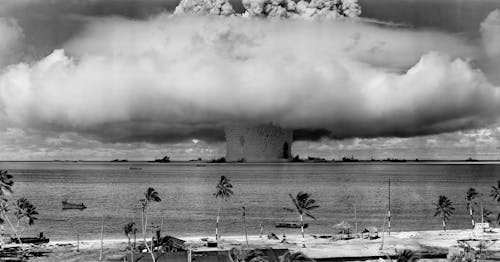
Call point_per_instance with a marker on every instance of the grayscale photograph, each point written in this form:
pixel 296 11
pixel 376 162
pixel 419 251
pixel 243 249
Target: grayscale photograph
pixel 249 130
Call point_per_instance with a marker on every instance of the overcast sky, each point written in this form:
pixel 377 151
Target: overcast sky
pixel 106 79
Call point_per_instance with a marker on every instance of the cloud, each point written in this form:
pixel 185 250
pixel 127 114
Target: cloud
pixel 314 9
pixel 177 78
pixel 11 36
pixel 490 32
pixel 490 29
pixel 204 7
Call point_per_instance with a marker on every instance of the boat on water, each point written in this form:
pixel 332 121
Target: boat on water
pixel 31 240
pixel 291 225
pixel 68 205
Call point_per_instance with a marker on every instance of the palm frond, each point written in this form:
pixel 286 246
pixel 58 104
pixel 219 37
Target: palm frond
pixel 25 209
pixel 495 192
pixel 151 195
pixel 6 183
pixel 303 203
pixel 310 215
pixel 223 188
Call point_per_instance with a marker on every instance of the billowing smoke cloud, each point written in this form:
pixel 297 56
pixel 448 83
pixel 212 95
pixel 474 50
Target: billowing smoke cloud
pixel 11 36
pixel 318 9
pixel 174 77
pixel 205 7
pixel 274 9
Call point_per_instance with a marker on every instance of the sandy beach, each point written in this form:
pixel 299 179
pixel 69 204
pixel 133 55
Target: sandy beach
pixel 424 243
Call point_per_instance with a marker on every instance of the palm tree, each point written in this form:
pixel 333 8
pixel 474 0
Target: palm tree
pixel 223 192
pixel 128 229
pixel 6 183
pixel 4 209
pixel 150 196
pixel 470 195
pixel 495 192
pixel 444 209
pixel 304 204
pixel 25 209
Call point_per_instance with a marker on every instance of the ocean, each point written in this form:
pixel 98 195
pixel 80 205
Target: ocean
pixel 188 208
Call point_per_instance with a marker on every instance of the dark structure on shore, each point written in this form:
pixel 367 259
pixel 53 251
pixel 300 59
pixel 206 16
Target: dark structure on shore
pixel 258 143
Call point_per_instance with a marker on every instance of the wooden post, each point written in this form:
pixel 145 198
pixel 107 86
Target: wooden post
pixel 102 238
pixel 77 242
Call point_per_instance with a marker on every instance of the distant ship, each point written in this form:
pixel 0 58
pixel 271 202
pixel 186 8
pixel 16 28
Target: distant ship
pixel 291 225
pixel 67 205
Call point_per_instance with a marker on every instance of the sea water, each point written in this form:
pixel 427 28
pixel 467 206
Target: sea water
pixel 112 191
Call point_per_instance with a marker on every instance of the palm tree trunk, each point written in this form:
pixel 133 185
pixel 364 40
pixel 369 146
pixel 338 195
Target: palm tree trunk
pixel 471 217
pixel 217 224
pixel 13 229
pixel 302 226
pixel 150 250
pixel 142 225
pixel 444 225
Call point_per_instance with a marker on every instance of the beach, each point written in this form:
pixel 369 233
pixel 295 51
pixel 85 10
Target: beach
pixel 430 245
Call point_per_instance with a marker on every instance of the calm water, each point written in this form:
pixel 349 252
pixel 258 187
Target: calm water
pixel 112 190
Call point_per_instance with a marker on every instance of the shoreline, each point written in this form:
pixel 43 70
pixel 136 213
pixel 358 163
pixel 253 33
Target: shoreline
pixel 424 243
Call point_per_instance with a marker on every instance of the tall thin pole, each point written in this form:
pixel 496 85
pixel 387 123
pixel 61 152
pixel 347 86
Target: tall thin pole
pixel 389 210
pixel 383 233
pixel 77 242
pixel 161 227
pixel 102 238
pixel 355 217
pixel 245 225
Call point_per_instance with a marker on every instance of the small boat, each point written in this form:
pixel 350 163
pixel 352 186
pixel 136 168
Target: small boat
pixel 31 240
pixel 135 168
pixel 67 205
pixel 290 225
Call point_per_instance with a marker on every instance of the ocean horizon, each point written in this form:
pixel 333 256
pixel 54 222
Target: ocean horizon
pixel 111 191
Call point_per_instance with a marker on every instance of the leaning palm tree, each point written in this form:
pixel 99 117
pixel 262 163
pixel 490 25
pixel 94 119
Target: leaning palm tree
pixel 495 192
pixel 150 196
pixel 444 209
pixel 223 192
pixel 470 195
pixel 304 204
pixel 4 209
pixel 6 184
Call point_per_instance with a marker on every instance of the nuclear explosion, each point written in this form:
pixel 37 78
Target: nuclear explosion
pixel 258 143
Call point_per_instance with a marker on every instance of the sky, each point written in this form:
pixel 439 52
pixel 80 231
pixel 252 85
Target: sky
pixel 128 79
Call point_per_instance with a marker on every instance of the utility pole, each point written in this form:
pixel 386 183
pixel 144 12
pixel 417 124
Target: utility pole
pixel 245 225
pixel 389 210
pixel 102 238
